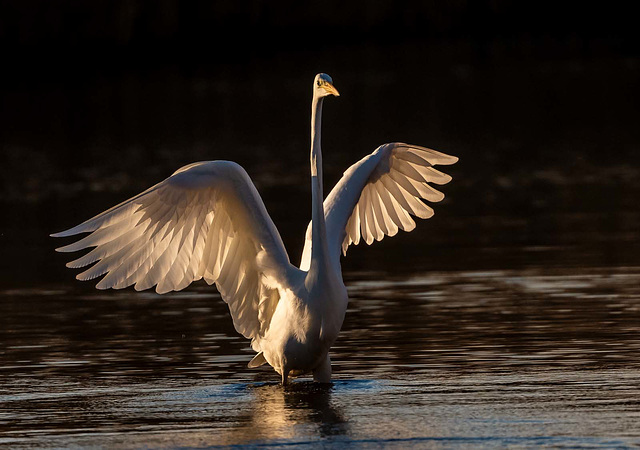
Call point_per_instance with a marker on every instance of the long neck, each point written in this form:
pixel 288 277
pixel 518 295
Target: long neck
pixel 319 247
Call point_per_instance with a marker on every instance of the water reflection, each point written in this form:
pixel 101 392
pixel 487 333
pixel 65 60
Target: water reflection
pixel 303 409
pixel 422 358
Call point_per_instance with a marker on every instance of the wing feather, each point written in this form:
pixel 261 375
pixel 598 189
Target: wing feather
pixel 432 156
pixel 401 200
pixel 405 168
pixel 413 158
pixel 364 229
pixel 379 194
pixel 205 221
pixel 434 176
pixel 356 225
pixel 377 210
pixel 389 228
pixel 390 214
pixel 371 216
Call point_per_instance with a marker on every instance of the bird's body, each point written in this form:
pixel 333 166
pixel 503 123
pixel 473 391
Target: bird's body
pixel 305 325
pixel 208 221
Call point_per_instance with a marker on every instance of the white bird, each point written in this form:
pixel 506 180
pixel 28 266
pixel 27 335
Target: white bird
pixel 208 221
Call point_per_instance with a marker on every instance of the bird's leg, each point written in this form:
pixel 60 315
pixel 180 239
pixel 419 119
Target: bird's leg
pixel 285 377
pixel 322 373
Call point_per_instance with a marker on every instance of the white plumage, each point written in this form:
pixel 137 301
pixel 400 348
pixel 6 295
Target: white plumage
pixel 208 221
pixel 377 196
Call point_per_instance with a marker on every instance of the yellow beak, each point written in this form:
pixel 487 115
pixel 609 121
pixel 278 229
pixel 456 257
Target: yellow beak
pixel 330 89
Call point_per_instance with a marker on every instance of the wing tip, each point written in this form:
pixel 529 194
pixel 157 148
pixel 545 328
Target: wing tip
pixel 446 179
pixel 59 234
pixel 452 160
pixel 257 361
pixel 443 158
pixel 437 198
pixel 70 232
pixel 163 290
pixel 68 248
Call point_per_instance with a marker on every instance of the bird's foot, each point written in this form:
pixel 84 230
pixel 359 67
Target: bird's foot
pixel 322 373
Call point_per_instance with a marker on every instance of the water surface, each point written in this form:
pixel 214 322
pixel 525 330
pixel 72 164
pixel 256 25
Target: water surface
pixel 440 359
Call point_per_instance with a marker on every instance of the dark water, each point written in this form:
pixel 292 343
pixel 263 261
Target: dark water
pixel 511 318
pixel 464 359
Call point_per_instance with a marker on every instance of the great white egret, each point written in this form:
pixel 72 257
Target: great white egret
pixel 208 221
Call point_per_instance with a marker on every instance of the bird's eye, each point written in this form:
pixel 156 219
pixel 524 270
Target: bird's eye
pixel 319 83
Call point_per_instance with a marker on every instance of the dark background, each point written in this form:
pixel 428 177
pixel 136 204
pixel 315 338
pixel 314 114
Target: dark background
pixel 101 99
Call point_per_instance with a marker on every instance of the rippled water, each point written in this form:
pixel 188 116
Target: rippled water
pixel 475 358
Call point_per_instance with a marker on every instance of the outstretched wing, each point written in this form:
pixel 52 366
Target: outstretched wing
pixel 207 221
pixel 377 196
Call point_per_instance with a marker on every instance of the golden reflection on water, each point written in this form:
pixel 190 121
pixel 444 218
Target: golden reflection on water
pixel 287 413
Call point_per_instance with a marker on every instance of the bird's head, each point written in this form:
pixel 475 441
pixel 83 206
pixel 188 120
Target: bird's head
pixel 323 86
